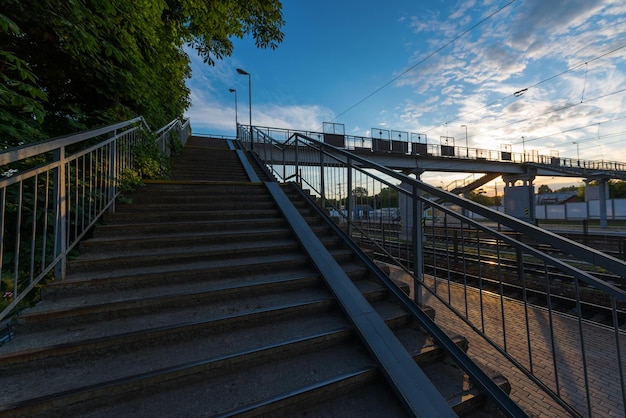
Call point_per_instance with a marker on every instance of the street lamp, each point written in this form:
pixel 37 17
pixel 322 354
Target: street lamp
pixel 236 122
pixel 577 153
pixel 523 149
pixel 466 143
pixel 244 72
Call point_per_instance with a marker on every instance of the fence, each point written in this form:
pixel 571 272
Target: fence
pixel 53 192
pixel 465 264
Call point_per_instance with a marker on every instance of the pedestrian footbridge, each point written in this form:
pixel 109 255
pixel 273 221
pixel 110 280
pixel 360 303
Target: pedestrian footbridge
pixel 228 289
pixel 414 154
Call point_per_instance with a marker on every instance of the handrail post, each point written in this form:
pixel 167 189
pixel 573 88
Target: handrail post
pixel 418 244
pixel 112 171
pixel 349 195
pixel 284 165
pixel 60 205
pixel 295 144
pixel 322 180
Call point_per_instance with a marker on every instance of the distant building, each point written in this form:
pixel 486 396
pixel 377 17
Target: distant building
pixel 559 198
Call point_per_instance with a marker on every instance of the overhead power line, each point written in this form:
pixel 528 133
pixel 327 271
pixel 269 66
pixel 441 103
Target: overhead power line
pixel 521 92
pixel 408 70
pixel 569 106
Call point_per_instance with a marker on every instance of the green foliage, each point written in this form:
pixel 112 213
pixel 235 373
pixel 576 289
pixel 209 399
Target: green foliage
pixel 149 161
pixel 544 189
pixel 21 101
pixel 617 189
pixel 130 180
pixel 176 147
pixel 87 63
pixel 484 199
pixel 387 198
pixel 359 192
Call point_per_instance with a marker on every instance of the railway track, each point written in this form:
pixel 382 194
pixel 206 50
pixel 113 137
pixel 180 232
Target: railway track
pixel 496 268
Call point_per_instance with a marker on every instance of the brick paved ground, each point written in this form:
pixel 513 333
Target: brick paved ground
pixel 603 375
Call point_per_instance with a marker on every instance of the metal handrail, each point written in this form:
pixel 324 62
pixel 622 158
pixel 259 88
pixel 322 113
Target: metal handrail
pixel 62 187
pixel 462 153
pixel 326 170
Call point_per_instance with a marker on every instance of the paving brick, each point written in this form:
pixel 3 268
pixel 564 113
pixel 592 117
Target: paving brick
pixel 599 344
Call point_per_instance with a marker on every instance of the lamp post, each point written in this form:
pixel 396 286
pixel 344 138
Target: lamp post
pixel 466 143
pixel 577 153
pixel 523 149
pixel 244 72
pixel 236 122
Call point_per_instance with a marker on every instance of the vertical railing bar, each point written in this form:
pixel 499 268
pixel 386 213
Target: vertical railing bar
pixel 76 198
pixel 45 222
pixel 464 271
pixel 418 244
pixel 322 180
pixel 501 291
pixel 92 203
pixel 552 337
pixel 284 163
pixel 618 349
pixel 434 261
pixel 480 282
pixel 83 191
pixel 296 159
pixel 99 182
pixel 68 198
pixel 2 212
pixel 102 168
pixel 522 276
pixel 448 268
pixel 110 175
pixel 96 183
pixel 18 239
pixel 33 238
pixel 349 195
pixel 61 209
pixel 582 344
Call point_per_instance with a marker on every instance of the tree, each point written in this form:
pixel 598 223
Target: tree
pixel 387 198
pixel 21 101
pixel 544 189
pixel 70 65
pixel 617 189
pixel 485 200
pixel 359 192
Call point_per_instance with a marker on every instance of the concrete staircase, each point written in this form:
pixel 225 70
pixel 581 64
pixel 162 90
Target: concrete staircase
pixel 196 299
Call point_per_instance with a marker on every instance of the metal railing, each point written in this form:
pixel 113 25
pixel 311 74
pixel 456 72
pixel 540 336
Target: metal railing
pixel 371 144
pixel 53 192
pixel 549 315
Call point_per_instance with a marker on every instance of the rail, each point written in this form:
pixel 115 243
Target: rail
pixel 423 148
pixel 52 193
pixel 379 207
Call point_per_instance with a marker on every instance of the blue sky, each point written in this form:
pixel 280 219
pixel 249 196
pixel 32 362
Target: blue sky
pixel 430 67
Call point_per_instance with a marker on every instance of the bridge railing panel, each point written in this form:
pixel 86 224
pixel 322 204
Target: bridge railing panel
pixel 53 192
pixel 524 290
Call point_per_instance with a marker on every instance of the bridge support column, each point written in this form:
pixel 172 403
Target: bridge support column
pixel 411 228
pixel 600 192
pixel 603 196
pixel 519 200
pixel 407 209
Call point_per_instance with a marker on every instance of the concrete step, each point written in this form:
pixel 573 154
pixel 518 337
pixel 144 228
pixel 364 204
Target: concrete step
pixel 113 244
pixel 173 309
pixel 182 226
pixel 153 257
pixel 185 269
pixel 176 214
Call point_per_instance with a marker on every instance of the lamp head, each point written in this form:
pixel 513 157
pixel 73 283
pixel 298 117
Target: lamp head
pixel 242 72
pixel 232 90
